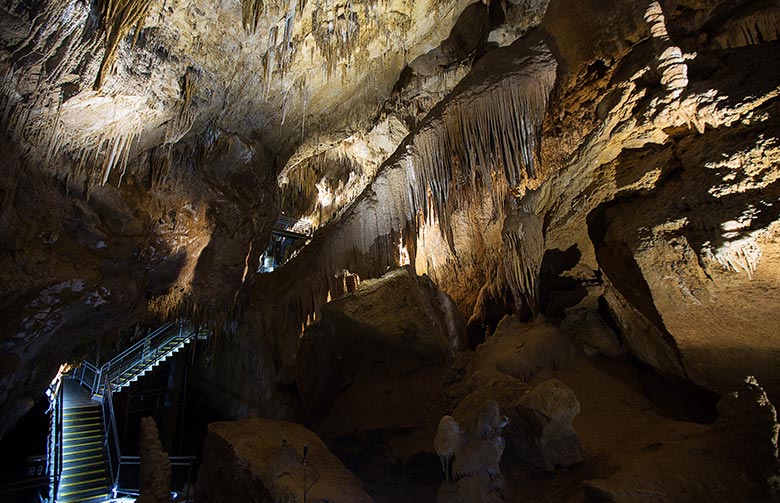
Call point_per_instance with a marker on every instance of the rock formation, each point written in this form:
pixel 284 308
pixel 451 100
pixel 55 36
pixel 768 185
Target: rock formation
pixel 567 207
pixel 155 467
pixel 475 457
pixel 262 460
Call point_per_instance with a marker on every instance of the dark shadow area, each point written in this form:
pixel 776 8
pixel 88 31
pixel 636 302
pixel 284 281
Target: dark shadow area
pixel 416 481
pixel 23 459
pixel 679 398
pixel 556 291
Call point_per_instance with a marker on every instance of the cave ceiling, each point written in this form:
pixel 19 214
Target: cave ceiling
pixel 549 158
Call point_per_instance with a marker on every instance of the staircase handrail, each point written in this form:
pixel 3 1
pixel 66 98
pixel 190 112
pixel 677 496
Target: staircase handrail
pixel 54 457
pixel 109 425
pixel 140 346
pixel 184 461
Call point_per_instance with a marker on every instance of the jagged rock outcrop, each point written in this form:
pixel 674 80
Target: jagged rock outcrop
pixel 520 350
pixel 540 432
pixel 155 477
pixel 680 466
pixel 376 360
pixel 262 460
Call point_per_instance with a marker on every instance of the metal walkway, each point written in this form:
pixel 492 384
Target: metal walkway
pixel 84 455
pixel 292 228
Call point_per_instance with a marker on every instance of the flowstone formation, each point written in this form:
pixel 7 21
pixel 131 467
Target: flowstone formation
pixel 472 457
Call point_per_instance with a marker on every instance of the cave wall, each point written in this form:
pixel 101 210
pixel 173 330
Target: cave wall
pixel 557 159
pixel 652 200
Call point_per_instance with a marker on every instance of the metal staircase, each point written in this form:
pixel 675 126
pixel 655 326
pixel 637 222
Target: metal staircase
pixel 84 453
pixel 84 476
pixel 137 360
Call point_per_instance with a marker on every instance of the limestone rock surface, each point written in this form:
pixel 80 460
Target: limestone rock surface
pixel 261 460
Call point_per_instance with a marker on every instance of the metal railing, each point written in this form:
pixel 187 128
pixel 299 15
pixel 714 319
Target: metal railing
pixel 181 476
pixel 295 226
pixel 54 441
pixel 110 434
pixel 88 376
pixel 101 382
pixel 145 351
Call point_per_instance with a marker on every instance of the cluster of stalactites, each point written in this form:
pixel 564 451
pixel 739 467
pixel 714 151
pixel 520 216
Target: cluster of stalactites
pixel 319 184
pixel 184 115
pixel 489 141
pixel 340 28
pixel 118 17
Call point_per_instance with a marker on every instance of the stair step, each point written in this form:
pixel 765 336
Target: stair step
pixel 82 434
pixel 98 472
pixel 81 420
pixel 83 450
pixel 70 482
pixel 82 428
pixel 91 464
pixel 68 406
pixel 79 492
pixel 100 498
pixel 80 443
pixel 82 458
pixel 80 413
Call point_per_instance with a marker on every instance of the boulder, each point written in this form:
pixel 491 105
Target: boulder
pixel 588 327
pixel 401 321
pixel 544 435
pixel 262 460
pixel 521 350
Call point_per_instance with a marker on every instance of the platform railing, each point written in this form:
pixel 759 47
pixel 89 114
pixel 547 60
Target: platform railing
pixel 289 224
pixel 110 433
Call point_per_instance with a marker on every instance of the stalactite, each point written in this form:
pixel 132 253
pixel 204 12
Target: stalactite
pixel 319 187
pixel 739 255
pixel 485 140
pixel 340 28
pixel 522 249
pixel 118 17
pixel 184 116
pixel 251 12
pixel 159 166
pixel 269 62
